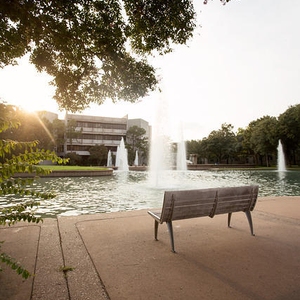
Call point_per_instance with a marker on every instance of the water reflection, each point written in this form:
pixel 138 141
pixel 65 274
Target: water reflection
pixel 131 190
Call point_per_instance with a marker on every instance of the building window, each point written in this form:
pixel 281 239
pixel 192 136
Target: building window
pixel 101 125
pixel 77 148
pixel 100 137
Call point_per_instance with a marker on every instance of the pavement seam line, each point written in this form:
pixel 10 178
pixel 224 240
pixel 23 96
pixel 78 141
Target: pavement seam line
pixel 98 275
pixel 63 257
pixel 36 259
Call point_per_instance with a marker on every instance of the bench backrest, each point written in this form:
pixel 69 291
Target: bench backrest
pixel 186 204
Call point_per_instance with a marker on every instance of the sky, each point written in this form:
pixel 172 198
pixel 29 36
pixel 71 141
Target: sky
pixel 243 63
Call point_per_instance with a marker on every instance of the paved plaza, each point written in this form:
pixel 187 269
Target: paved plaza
pixel 114 256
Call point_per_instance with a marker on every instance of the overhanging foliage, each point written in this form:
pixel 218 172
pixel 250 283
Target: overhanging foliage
pixel 19 157
pixel 94 49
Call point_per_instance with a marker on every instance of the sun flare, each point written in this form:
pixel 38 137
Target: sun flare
pixel 25 87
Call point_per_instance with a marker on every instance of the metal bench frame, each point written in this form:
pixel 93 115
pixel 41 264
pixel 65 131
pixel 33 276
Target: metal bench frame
pixel 186 204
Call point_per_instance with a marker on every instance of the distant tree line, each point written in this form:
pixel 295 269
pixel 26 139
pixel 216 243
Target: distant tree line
pixel 256 144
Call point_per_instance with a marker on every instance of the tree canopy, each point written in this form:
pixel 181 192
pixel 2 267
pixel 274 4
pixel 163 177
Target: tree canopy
pixel 94 49
pixel 136 141
pixel 98 155
pixel 289 128
pixel 220 143
pixel 263 136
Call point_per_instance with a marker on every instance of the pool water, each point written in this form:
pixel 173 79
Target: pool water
pixel 138 190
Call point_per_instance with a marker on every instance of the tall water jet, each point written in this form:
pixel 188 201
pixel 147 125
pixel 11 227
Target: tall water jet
pixel 117 162
pixel 122 157
pixel 136 160
pixel 181 153
pixel 162 156
pixel 109 159
pixel 181 156
pixel 280 158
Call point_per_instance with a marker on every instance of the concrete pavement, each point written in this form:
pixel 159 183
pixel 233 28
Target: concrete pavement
pixel 114 256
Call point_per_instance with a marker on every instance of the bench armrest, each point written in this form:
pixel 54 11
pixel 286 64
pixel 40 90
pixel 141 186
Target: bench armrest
pixel 155 215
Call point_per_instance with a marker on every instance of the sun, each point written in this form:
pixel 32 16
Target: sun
pixel 24 86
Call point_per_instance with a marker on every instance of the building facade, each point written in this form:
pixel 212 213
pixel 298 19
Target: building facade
pixel 83 132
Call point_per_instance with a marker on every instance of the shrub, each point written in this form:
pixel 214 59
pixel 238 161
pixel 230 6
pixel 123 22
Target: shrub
pixel 25 161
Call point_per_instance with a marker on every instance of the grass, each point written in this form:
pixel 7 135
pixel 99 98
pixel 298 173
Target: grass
pixel 72 168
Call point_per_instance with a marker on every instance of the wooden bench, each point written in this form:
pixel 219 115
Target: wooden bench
pixel 186 204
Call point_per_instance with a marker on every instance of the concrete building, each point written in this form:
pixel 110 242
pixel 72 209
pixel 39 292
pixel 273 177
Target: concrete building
pixel 83 132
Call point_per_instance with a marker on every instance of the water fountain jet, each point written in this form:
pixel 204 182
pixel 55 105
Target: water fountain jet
pixel 181 153
pixel 281 167
pixel 109 159
pixel 162 157
pixel 136 160
pixel 122 157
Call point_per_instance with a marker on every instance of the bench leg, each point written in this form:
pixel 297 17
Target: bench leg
pixel 248 214
pixel 170 228
pixel 229 219
pixel 155 229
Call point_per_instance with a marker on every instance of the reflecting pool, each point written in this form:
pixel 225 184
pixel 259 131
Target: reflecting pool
pixel 133 190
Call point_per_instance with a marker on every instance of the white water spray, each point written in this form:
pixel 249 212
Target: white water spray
pixel 280 158
pixel 136 160
pixel 109 159
pixel 163 158
pixel 181 153
pixel 122 157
